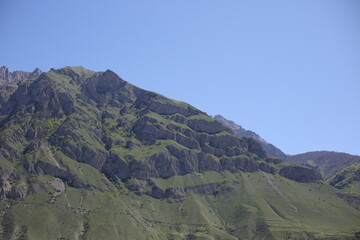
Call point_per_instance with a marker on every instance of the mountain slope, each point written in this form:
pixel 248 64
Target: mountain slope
pixel 339 169
pixel 86 155
pixel 348 178
pixel 348 181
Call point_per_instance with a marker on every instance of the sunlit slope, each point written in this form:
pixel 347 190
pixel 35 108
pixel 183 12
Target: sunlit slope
pixel 242 206
pixel 86 155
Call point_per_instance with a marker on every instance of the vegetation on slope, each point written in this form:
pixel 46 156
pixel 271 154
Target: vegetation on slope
pixel 86 155
pixel 327 163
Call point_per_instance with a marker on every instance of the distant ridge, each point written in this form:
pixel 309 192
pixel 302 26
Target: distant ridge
pixel 242 132
pixel 328 163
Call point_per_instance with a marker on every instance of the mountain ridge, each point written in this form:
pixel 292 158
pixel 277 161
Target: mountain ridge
pixel 242 132
pixel 328 163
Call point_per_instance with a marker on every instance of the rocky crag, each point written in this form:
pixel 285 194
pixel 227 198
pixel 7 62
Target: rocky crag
pixel 11 77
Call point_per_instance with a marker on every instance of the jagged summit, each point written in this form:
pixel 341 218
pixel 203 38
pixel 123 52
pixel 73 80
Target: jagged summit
pixel 11 77
pixel 35 73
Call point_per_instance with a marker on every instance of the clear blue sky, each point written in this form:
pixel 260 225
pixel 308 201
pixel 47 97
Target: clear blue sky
pixel 288 70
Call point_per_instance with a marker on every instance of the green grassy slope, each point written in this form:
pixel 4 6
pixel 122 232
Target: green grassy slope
pixel 348 182
pixel 256 206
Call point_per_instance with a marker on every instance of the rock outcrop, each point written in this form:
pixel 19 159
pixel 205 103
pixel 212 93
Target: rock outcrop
pixel 11 77
pixel 300 174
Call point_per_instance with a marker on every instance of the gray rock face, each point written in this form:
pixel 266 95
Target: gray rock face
pixel 175 161
pixel 200 125
pixel 11 77
pixel 7 189
pixel 240 131
pixel 300 174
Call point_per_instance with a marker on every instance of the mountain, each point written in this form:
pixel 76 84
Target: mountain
pixel 11 77
pixel 240 131
pixel 328 163
pixel 86 155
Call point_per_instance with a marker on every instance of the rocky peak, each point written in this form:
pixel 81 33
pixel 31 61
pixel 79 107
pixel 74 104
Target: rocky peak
pixel 35 73
pixel 11 77
pixel 4 72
